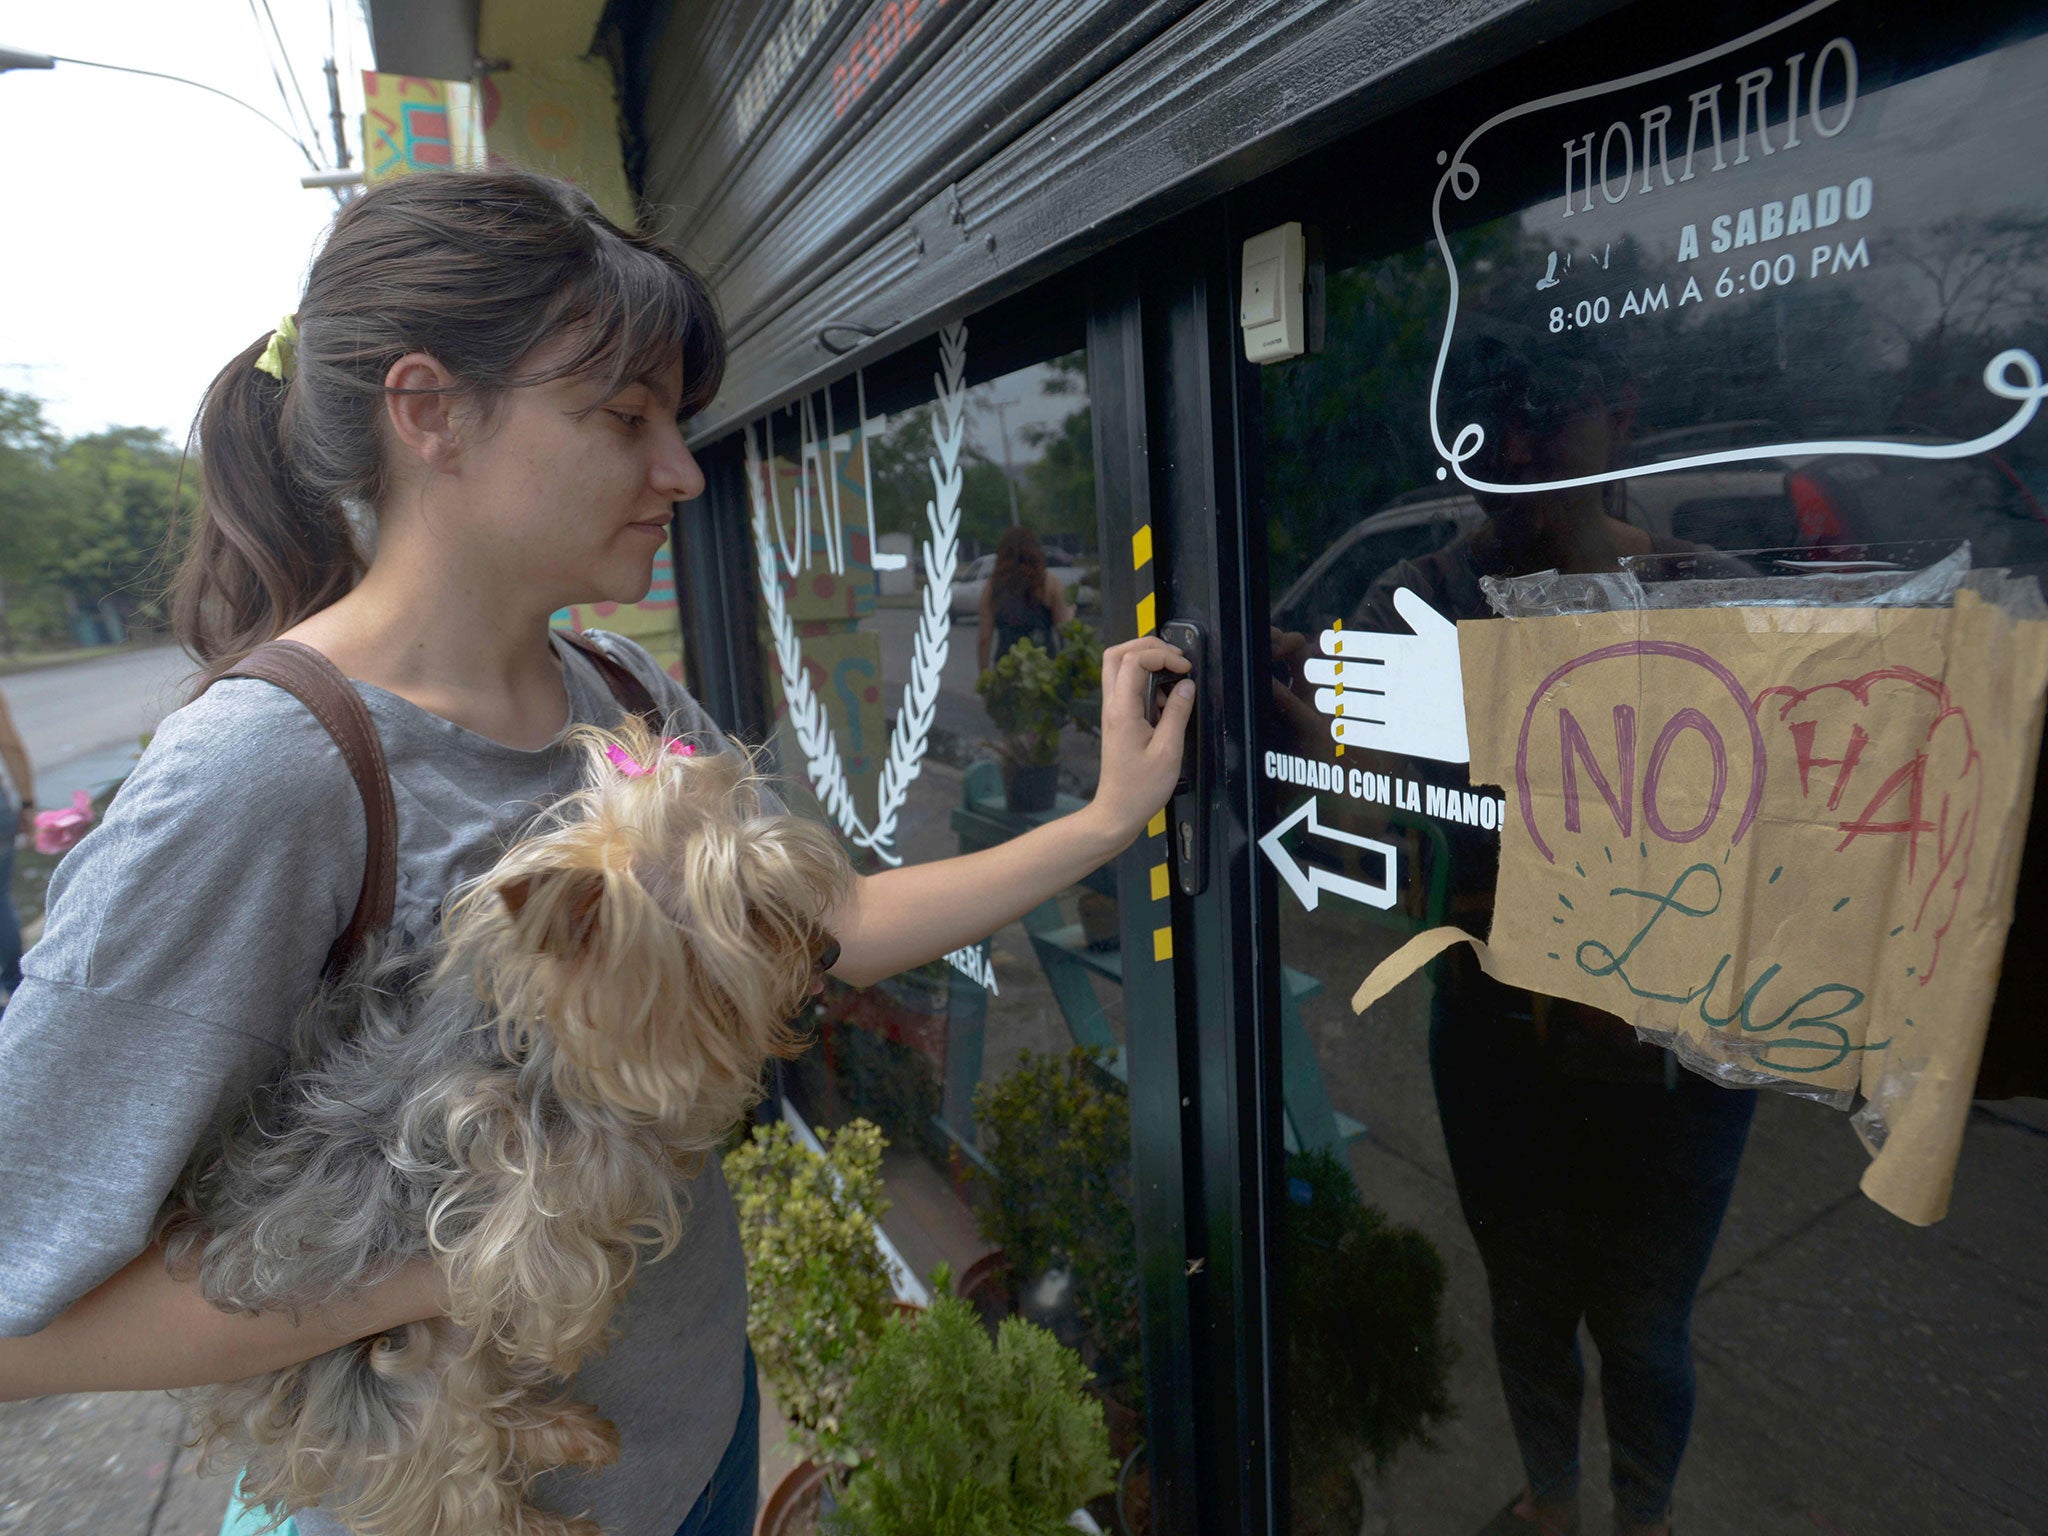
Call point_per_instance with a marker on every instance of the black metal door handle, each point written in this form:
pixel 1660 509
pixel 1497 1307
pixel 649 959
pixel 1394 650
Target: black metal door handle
pixel 1187 812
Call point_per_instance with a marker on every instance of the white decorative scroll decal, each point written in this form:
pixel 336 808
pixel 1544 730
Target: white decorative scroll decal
pixel 911 734
pixel 2013 374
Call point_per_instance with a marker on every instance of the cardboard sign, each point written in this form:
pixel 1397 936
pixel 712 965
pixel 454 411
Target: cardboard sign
pixel 1785 840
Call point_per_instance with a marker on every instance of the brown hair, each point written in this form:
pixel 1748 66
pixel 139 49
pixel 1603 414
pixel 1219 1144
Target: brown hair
pixel 477 269
pixel 1017 584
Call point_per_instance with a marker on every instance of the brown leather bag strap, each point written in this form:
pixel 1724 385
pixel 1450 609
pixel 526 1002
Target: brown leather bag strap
pixel 318 684
pixel 625 685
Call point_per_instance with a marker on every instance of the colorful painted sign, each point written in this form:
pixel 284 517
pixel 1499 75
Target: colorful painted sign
pixel 412 124
pixel 560 117
pixel 653 622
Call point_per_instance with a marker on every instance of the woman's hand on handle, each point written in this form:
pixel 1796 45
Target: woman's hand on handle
pixel 907 917
pixel 1140 762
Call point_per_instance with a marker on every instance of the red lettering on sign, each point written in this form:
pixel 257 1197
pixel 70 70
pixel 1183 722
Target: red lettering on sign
pixel 1932 781
pixel 873 47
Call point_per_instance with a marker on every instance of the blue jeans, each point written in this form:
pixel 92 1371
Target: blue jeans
pixel 726 1507
pixel 10 925
pixel 1594 1186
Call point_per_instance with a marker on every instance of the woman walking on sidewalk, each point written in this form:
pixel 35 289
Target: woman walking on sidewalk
pixel 485 381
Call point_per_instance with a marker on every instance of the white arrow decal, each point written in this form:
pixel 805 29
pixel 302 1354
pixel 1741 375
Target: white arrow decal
pixel 1395 693
pixel 1309 882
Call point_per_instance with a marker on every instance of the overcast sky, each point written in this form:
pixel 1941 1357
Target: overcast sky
pixel 149 231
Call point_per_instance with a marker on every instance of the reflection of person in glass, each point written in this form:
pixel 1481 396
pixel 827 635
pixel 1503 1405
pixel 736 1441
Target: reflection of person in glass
pixel 1022 599
pixel 1593 1173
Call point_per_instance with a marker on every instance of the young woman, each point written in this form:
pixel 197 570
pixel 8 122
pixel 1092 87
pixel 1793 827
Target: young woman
pixel 1021 599
pixel 476 423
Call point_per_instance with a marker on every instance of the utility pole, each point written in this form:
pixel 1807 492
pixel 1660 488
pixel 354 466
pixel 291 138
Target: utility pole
pixel 334 116
pixel 1009 474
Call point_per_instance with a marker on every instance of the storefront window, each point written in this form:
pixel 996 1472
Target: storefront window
pixel 1525 1251
pixel 932 629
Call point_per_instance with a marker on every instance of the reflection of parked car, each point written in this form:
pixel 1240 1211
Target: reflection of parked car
pixel 1876 499
pixel 1735 506
pixel 1411 526
pixel 966 599
pixel 1853 503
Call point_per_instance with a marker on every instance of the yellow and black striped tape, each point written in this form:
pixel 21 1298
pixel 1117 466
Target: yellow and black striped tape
pixel 1148 620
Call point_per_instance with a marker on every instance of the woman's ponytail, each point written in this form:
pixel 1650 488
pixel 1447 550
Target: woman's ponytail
pixel 263 552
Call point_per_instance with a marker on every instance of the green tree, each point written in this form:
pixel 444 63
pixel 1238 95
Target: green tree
pixel 33 505
pixel 1343 440
pixel 130 491
pixel 1059 485
pixel 901 476
pixel 85 523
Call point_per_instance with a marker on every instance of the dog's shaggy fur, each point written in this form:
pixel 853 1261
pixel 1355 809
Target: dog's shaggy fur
pixel 519 1105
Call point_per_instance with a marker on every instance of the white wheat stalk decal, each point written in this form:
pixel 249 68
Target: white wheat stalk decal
pixel 806 713
pixel 911 734
pixel 913 728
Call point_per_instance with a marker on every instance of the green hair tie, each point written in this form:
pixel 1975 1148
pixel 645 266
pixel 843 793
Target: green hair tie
pixel 281 358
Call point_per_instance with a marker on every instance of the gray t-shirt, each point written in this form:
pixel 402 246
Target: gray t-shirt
pixel 185 934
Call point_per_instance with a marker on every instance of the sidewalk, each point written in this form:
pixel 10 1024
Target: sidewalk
pixel 110 1464
pixel 37 661
pixel 107 1464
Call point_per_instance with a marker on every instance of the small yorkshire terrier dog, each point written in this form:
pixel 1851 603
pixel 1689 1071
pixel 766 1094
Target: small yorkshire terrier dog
pixel 518 1104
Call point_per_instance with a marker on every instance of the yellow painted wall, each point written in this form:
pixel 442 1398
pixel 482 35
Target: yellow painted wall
pixel 534 31
pixel 654 621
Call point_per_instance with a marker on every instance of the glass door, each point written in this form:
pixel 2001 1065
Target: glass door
pixel 1739 306
pixel 939 552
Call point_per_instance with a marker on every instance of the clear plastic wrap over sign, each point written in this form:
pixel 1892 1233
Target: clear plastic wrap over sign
pixel 1772 820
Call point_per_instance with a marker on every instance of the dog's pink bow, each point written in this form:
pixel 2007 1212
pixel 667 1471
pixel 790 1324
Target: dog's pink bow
pixel 58 830
pixel 623 760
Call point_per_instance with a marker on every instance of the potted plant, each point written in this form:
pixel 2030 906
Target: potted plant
pixel 1354 1390
pixel 1032 696
pixel 964 1435
pixel 818 1292
pixel 1099 921
pixel 1055 1199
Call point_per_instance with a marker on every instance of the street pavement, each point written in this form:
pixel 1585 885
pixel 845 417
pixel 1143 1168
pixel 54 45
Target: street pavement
pixel 82 722
pixel 104 1465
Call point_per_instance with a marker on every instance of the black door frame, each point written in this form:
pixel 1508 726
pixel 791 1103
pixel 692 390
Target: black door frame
pixel 1192 389
pixel 1142 581
pixel 1164 1123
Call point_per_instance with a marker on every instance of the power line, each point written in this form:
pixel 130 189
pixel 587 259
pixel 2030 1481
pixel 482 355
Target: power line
pixel 277 78
pixel 285 56
pixel 154 74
